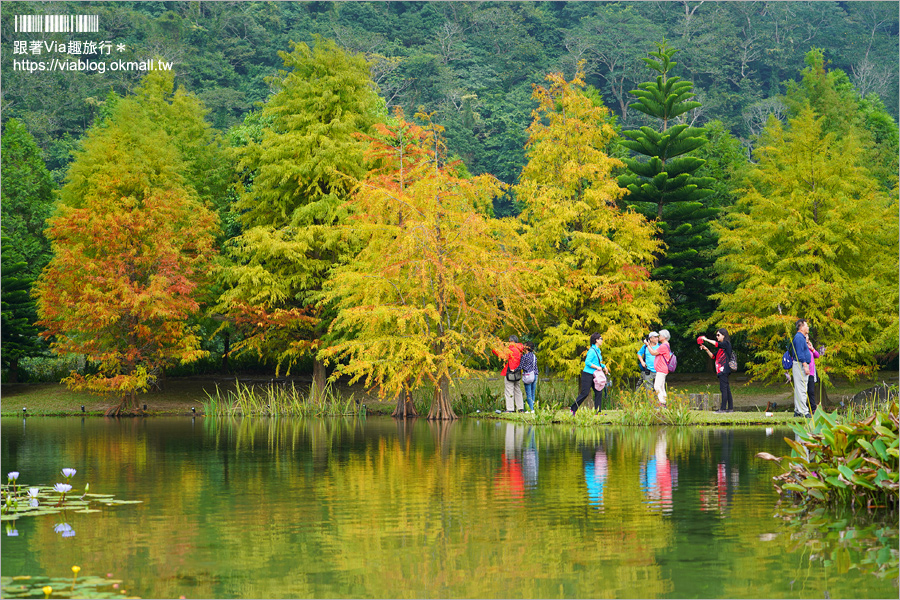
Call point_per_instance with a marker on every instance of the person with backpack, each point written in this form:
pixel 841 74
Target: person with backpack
pixel 512 374
pixel 593 362
pixel 529 374
pixel 723 366
pixel 800 369
pixel 646 360
pixel 662 355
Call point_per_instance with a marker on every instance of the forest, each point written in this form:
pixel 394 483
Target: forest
pixel 634 164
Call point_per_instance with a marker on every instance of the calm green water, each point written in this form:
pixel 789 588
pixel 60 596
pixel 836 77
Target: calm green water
pixel 275 508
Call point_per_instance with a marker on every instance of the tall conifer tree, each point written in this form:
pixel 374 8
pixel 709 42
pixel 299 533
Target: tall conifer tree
pixel 597 256
pixel 298 180
pixel 813 236
pixel 662 185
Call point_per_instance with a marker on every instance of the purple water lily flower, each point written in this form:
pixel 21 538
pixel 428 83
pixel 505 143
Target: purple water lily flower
pixel 12 475
pixel 64 529
pixel 68 473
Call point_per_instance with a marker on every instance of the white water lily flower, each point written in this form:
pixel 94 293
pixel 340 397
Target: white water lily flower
pixel 64 529
pixel 13 475
pixel 68 473
pixel 62 488
pixel 33 492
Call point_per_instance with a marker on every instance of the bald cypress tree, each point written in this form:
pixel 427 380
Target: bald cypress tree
pixel 662 185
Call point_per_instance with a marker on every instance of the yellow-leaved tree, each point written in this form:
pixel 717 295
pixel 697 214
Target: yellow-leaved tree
pixel 437 278
pixel 596 255
pixel 813 236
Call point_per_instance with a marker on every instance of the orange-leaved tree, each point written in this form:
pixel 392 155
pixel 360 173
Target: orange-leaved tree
pixel 597 255
pixel 437 277
pixel 131 244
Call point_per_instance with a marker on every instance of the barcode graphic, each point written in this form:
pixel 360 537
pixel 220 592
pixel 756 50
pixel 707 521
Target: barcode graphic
pixel 57 23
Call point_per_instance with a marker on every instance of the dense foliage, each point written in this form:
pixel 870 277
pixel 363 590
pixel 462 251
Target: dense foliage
pixel 300 124
pixel 436 278
pixel 132 242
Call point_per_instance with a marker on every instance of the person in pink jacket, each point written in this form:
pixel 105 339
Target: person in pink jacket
pixel 813 379
pixel 661 362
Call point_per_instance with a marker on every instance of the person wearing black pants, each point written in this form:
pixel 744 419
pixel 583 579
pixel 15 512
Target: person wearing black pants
pixel 592 362
pixel 723 369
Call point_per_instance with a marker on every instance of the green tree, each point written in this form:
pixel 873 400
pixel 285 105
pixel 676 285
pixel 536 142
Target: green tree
pixel 833 97
pixel 597 256
pixel 811 237
pixel 662 185
pixel 436 279
pixel 17 308
pixel 132 244
pixel 297 181
pixel 26 198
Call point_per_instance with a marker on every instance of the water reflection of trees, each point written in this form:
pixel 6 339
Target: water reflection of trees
pixel 269 507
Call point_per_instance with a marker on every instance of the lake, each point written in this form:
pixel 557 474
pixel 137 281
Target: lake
pixel 378 508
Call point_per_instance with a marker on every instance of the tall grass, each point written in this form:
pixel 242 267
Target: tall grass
pixel 857 411
pixel 640 407
pixel 246 400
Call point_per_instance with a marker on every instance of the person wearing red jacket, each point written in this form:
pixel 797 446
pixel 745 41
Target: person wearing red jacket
pixel 512 374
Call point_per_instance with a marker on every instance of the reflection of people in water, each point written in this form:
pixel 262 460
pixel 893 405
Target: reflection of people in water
pixel 659 475
pixel 509 480
pixel 596 470
pixel 530 460
pixel 719 495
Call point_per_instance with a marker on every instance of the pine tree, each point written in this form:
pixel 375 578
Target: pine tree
pixel 297 181
pixel 814 237
pixel 132 244
pixel 833 97
pixel 662 185
pixel 597 256
pixel 436 277
pixel 19 334
pixel 26 197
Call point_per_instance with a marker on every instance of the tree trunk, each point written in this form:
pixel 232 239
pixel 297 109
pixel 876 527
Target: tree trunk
pixel 317 391
pixel 13 370
pixel 227 350
pixel 405 407
pixel 441 407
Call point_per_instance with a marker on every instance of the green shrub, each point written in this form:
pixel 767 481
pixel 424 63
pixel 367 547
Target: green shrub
pixel 834 463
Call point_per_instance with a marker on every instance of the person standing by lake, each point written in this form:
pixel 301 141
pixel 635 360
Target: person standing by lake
pixel 813 378
pixel 800 368
pixel 661 361
pixel 723 369
pixel 529 374
pixel 593 362
pixel 648 366
pixel 512 374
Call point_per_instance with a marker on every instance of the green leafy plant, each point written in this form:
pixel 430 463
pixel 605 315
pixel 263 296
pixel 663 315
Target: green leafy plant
pixel 834 463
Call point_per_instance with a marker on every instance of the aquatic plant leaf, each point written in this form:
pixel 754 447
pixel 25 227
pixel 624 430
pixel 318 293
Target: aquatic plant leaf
pixel 834 481
pixel 881 448
pixel 795 487
pixel 816 493
pixel 767 456
pixel 812 482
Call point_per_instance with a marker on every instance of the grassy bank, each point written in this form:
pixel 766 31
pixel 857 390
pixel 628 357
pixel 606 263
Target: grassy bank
pixel 179 395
